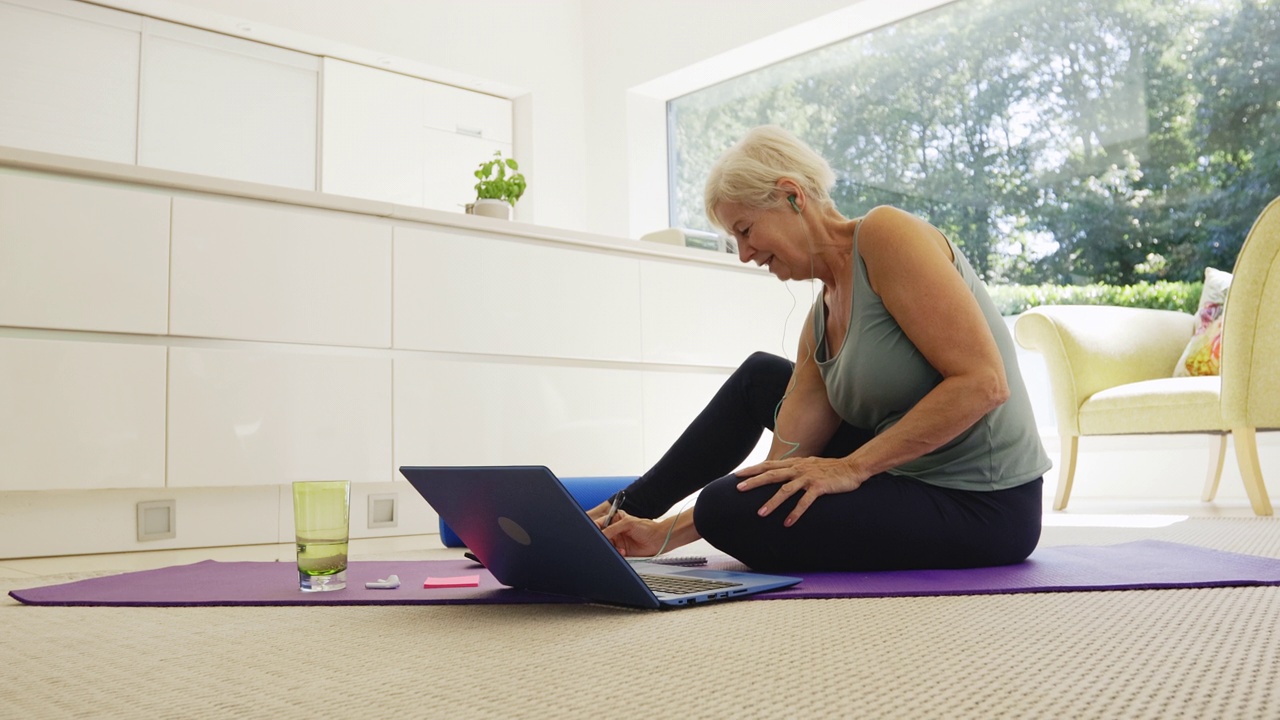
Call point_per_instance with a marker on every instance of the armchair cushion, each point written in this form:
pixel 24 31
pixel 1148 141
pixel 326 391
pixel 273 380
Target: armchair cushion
pixel 1190 404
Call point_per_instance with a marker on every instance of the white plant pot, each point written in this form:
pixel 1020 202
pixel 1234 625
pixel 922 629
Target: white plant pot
pixel 493 208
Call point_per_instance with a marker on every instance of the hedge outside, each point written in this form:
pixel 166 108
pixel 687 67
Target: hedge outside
pixel 1160 295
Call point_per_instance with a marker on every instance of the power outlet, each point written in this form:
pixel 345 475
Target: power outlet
pixel 157 520
pixel 384 510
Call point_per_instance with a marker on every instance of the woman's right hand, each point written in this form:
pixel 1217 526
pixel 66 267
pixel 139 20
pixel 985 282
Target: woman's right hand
pixel 636 537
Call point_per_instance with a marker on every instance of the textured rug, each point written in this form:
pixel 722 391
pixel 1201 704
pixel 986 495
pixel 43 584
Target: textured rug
pixel 1141 565
pixel 1137 655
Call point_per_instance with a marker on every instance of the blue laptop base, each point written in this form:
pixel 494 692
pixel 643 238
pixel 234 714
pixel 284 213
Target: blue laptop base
pixel 588 491
pixel 523 524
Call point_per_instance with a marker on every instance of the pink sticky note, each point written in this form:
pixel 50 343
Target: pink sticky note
pixel 452 582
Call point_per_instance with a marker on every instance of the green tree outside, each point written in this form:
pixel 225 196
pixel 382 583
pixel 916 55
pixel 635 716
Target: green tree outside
pixel 1078 142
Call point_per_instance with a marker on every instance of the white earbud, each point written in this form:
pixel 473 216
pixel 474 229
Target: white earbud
pixel 391 583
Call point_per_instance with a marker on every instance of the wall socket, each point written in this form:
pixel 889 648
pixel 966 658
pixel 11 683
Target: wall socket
pixel 157 520
pixel 384 510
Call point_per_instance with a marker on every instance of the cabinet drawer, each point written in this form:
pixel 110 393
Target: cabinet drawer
pixel 372 133
pixel 536 300
pixel 580 420
pixel 245 417
pixel 79 256
pixel 467 113
pixel 253 272
pixel 81 415
pixel 69 79
pixel 227 107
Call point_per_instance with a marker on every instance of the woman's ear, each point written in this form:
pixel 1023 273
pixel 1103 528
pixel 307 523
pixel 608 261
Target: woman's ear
pixel 791 193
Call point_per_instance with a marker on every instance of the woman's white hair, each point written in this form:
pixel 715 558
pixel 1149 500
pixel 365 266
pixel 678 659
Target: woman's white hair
pixel 748 173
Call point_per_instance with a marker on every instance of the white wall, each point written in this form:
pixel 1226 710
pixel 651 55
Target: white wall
pixel 577 59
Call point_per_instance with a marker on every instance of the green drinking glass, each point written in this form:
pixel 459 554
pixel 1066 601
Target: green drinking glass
pixel 321 521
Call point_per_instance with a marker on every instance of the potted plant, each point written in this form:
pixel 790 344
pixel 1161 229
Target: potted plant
pixel 498 190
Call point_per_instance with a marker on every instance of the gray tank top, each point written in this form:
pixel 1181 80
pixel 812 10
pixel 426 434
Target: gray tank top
pixel 879 375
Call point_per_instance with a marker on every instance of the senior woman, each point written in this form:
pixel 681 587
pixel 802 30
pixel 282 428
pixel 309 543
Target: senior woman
pixel 902 435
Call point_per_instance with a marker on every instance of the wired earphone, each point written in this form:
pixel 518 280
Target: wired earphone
pixel 791 199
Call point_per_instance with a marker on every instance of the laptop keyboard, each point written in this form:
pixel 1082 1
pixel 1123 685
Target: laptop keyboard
pixel 684 585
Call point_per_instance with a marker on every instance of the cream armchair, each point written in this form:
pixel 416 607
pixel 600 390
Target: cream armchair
pixel 1110 369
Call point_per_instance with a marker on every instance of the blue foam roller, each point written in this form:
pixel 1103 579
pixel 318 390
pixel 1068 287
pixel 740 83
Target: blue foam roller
pixel 588 491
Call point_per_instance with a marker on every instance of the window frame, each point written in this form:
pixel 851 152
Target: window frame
pixel 648 140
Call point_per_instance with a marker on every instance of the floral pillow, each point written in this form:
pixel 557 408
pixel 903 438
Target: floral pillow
pixel 1203 355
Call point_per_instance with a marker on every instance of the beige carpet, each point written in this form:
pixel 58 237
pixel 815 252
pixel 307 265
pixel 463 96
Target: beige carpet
pixel 1211 653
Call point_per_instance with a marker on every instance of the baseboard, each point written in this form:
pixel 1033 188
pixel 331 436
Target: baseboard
pixel 44 524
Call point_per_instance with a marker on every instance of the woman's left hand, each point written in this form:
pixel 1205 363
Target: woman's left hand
pixel 810 476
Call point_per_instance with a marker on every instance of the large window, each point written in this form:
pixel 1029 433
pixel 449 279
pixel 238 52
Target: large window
pixel 1073 141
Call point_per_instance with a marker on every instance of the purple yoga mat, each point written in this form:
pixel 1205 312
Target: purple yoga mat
pixel 276 583
pixel 1146 564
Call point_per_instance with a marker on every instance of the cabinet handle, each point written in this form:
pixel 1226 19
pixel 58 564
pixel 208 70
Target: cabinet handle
pixel 472 131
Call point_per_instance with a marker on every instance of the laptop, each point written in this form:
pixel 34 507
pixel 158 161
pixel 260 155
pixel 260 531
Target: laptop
pixel 531 534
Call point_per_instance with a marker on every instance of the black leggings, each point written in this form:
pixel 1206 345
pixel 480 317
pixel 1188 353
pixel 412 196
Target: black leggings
pixel 889 523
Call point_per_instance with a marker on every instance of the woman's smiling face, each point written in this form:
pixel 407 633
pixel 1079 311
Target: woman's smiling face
pixel 766 237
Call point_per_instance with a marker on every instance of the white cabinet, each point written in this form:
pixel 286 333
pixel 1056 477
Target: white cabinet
pixel 464 112
pixel 82 80
pixel 69 79
pixel 279 274
pixel 405 140
pixel 227 107
pixel 372 134
pixel 83 256
pixel 475 294
pixel 578 420
pixel 695 317
pixel 246 417
pixel 81 415
pixel 174 342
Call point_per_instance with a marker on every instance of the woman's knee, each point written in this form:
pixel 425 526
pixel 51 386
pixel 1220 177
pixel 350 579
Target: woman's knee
pixel 764 367
pixel 759 384
pixel 726 518
pixel 762 359
pixel 719 511
pixel 706 510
